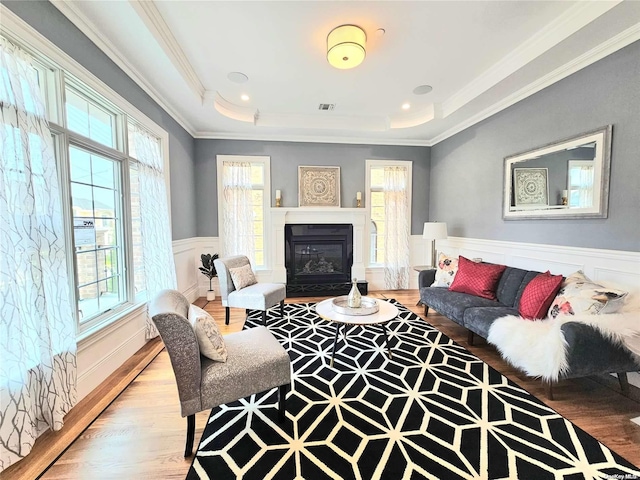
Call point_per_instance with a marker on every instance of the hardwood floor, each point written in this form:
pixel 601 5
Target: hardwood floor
pixel 141 434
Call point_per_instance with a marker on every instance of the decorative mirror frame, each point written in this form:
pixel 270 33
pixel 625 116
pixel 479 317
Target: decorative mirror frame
pixel 602 166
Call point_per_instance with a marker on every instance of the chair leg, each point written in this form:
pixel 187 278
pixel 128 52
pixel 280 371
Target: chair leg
pixel 624 383
pixel 191 432
pixel 226 316
pixel 264 318
pixel 470 337
pixel 282 309
pixel 282 400
pixel 426 310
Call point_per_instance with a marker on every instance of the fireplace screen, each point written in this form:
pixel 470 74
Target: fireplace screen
pixel 317 254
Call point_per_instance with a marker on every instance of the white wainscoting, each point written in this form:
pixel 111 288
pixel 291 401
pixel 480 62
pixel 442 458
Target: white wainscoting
pixel 610 267
pixel 101 354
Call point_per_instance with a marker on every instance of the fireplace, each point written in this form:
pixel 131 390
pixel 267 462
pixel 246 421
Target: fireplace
pixel 318 259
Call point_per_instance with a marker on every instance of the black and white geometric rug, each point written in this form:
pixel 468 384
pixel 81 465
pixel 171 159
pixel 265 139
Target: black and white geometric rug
pixel 432 411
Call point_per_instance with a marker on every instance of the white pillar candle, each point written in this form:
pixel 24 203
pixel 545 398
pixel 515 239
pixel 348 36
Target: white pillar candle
pixel 358 195
pixel 278 194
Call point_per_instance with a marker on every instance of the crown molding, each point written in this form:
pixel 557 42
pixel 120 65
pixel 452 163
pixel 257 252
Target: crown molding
pixel 156 24
pixel 624 38
pixel 551 35
pixel 312 139
pixel 71 12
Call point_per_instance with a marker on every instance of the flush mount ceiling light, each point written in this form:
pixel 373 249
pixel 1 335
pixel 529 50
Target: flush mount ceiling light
pixel 345 46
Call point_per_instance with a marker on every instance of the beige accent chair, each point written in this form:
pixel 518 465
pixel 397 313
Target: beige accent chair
pixel 260 296
pixel 256 362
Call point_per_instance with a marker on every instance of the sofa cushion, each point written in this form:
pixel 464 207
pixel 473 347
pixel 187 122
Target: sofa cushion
pixel 512 284
pixel 479 319
pixel 452 304
pixel 479 279
pixel 538 295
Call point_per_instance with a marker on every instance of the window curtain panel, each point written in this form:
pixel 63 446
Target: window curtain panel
pixel 585 191
pixel 237 215
pixel 155 229
pixel 396 229
pixel 38 376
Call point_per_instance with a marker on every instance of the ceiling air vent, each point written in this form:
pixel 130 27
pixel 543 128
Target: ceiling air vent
pixel 326 106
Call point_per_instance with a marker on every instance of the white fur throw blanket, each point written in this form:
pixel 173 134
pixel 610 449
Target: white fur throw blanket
pixel 539 348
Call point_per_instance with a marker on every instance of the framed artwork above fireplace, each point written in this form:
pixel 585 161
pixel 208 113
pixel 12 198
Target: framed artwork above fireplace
pixel 318 186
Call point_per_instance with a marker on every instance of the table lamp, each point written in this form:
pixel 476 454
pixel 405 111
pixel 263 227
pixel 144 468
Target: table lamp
pixel 434 231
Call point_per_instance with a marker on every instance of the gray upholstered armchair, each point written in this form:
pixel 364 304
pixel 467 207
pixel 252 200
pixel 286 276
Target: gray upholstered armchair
pixel 260 296
pixel 256 362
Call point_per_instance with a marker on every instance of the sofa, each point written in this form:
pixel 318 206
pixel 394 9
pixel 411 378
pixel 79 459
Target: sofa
pixel 588 351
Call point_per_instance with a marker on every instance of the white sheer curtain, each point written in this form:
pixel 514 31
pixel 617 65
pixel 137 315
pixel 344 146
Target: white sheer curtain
pixel 396 228
pixel 37 327
pixel 157 250
pixel 237 215
pixel 585 190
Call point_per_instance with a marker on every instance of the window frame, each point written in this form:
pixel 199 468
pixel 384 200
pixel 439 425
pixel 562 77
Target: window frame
pixel 59 70
pixel 266 205
pixel 369 165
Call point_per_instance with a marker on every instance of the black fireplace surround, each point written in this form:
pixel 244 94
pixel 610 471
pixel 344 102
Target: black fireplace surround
pixel 318 259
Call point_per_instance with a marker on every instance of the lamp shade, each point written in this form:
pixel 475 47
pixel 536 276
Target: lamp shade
pixel 345 46
pixel 434 230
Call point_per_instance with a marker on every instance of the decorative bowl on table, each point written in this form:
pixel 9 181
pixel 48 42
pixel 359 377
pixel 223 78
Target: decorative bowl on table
pixel 368 306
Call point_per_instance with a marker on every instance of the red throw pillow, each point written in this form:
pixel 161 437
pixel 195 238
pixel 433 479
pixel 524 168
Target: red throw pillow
pixel 478 279
pixel 538 295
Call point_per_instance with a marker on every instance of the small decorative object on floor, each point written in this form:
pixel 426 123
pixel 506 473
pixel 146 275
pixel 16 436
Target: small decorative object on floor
pixel 354 299
pixel 208 269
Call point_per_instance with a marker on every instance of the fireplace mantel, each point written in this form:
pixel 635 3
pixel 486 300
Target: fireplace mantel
pixel 281 216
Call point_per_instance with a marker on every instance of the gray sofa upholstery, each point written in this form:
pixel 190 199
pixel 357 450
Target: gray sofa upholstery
pixel 588 351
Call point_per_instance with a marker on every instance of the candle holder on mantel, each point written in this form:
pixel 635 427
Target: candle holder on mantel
pixel 358 199
pixel 278 198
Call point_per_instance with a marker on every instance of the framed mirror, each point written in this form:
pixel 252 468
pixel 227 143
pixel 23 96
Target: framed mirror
pixel 566 179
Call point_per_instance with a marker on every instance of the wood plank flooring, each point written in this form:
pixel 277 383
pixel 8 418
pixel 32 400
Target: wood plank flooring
pixel 141 434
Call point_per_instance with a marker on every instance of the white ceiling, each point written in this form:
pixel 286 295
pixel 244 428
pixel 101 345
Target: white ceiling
pixel 479 57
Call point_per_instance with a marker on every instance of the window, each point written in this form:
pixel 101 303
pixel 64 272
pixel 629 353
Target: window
pixel 97 228
pixel 376 206
pixel 243 200
pixel 581 173
pixel 89 119
pixel 378 209
pixel 101 178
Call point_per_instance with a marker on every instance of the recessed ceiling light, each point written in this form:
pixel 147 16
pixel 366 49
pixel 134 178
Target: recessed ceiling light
pixel 244 97
pixel 422 89
pixel 380 32
pixel 406 106
pixel 237 77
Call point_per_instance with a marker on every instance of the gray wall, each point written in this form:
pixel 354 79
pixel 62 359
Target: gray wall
pixel 467 169
pixel 285 158
pixel 48 20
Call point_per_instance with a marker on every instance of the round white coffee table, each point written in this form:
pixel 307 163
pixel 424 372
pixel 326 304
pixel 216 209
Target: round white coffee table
pixel 387 312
